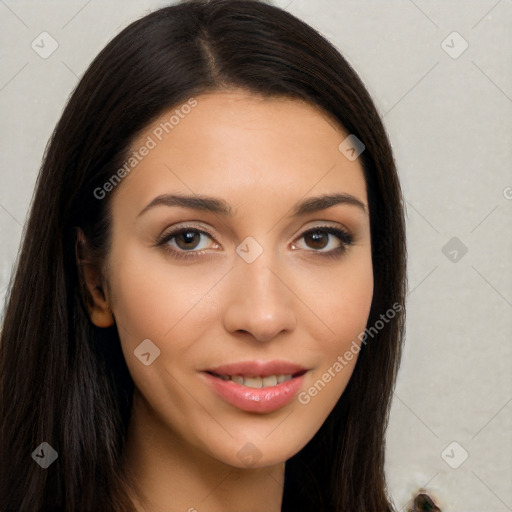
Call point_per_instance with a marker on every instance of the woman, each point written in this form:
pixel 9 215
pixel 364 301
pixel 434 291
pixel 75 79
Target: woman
pixel 208 308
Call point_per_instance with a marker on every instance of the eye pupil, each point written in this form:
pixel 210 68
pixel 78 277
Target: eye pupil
pixel 188 237
pixel 318 238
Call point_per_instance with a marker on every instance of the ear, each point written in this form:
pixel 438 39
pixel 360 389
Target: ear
pixel 92 283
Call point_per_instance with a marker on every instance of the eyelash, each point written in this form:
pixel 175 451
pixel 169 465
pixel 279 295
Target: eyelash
pixel 344 236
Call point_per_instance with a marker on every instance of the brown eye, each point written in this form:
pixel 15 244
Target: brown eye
pixel 326 240
pixel 187 239
pixel 317 239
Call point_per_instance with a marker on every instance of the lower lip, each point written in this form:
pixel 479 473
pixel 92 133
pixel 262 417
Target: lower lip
pixel 262 400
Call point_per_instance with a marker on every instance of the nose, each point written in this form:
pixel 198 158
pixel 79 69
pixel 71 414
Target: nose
pixel 260 302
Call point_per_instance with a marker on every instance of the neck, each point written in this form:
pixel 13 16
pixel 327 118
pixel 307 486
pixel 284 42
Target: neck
pixel 166 472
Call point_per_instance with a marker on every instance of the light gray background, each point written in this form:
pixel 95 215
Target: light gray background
pixel 450 124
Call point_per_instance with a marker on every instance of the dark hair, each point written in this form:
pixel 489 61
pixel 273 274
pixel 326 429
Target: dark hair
pixel 65 381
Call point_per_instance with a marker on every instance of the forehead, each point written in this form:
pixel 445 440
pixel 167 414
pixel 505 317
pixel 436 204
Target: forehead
pixel 239 145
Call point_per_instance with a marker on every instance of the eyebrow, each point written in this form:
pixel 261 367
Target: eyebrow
pixel 219 206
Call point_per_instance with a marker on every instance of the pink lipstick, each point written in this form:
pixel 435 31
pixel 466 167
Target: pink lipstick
pixel 256 386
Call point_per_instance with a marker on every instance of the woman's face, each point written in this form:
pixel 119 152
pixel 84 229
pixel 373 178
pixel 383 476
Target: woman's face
pixel 246 276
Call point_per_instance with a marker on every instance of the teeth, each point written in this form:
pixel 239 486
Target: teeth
pixel 252 382
pixel 257 382
pixel 271 380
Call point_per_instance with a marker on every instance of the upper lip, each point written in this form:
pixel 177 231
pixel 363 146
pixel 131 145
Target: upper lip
pixel 258 368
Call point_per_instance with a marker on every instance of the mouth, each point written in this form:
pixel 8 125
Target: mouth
pixel 259 387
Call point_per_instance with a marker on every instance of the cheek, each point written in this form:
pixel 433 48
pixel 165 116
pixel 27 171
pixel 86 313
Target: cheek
pixel 340 299
pixel 172 307
pixel 151 301
pixel 341 306
pixel 138 302
pixel 149 297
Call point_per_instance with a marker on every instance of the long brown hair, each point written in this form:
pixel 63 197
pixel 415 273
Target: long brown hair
pixel 64 381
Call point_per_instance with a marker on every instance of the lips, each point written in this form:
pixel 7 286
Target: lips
pixel 255 386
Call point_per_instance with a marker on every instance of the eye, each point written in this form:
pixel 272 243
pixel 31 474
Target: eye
pixel 186 240
pixel 327 240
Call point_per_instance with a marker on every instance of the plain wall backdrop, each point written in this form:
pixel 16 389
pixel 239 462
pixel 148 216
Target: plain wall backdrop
pixel 440 74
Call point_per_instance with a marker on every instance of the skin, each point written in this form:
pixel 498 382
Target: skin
pixel 292 303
